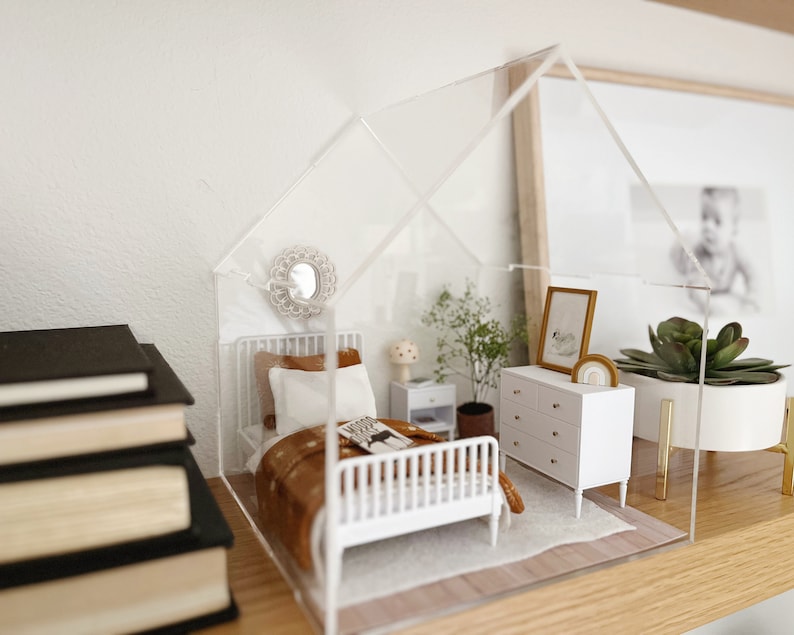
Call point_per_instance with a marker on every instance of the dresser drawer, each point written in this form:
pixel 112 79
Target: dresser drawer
pixel 560 405
pixel 519 390
pixel 553 431
pixel 432 397
pixel 544 457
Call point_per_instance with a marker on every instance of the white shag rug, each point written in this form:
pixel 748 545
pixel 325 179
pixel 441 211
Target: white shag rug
pixel 398 564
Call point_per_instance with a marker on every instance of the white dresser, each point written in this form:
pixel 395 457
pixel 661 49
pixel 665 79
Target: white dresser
pixel 578 434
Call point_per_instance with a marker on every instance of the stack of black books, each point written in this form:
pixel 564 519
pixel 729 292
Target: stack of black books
pixel 106 523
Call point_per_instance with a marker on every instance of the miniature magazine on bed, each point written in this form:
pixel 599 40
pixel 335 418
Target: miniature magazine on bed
pixel 374 436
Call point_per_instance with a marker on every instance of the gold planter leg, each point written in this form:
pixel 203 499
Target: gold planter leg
pixel 788 442
pixel 663 456
pixel 786 448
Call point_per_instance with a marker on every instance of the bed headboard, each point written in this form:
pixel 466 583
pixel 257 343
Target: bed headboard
pixel 283 344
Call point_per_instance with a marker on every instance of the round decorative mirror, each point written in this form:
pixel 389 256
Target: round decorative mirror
pixel 301 280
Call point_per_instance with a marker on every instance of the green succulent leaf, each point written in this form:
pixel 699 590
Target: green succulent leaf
pixel 677 347
pixel 729 333
pixel 655 341
pixel 640 370
pixel 681 377
pixel 677 329
pixel 678 357
pixel 721 381
pixel 744 377
pixel 751 363
pixel 695 346
pixel 641 356
pixel 727 354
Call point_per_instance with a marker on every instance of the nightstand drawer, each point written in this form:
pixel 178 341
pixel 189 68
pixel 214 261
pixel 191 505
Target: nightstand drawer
pixel 519 390
pixel 432 397
pixel 542 456
pixel 430 407
pixel 552 431
pixel 560 405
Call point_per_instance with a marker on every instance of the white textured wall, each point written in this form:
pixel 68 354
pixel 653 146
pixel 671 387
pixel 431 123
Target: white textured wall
pixel 139 140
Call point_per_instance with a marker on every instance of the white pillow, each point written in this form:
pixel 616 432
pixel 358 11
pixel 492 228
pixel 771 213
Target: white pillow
pixel 301 397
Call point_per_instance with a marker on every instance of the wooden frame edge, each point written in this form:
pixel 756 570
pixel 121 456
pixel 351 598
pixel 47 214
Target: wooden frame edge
pixel 586 326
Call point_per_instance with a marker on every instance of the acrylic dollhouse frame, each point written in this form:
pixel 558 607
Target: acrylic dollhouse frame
pixel 423 190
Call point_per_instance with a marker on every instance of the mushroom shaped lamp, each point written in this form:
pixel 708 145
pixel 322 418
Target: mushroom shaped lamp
pixel 404 353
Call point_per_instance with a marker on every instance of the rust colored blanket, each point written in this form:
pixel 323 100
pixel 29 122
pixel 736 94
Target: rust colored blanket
pixel 290 483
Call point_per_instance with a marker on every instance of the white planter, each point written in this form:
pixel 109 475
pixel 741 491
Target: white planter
pixel 734 418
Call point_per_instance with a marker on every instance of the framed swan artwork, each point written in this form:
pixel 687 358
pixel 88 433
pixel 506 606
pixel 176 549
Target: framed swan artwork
pixel 565 333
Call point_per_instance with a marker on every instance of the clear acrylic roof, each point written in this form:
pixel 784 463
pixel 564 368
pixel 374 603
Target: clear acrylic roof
pixel 414 187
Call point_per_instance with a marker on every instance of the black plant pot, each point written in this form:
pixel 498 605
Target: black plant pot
pixel 475 419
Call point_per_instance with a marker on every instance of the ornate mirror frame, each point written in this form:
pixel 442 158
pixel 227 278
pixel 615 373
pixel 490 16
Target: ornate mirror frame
pixel 286 289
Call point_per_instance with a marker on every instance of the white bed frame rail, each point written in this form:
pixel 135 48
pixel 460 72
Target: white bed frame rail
pixel 406 490
pixel 396 493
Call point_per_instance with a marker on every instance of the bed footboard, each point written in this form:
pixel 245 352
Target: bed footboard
pixel 386 495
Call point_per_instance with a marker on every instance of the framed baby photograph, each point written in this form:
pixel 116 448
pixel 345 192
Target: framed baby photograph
pixel 565 333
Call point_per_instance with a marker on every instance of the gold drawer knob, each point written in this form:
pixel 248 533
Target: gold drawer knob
pixel 516 391
pixel 515 443
pixel 555 434
pixel 555 405
pixel 554 460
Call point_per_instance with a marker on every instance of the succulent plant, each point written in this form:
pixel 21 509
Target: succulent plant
pixel 677 346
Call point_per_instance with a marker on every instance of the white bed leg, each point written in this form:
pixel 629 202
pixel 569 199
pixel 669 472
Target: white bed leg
pixel 493 524
pixel 334 567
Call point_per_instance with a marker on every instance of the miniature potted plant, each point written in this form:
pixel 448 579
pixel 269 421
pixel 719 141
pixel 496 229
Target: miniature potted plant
pixel 474 345
pixel 743 400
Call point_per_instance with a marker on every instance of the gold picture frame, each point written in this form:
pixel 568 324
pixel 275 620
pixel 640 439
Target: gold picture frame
pixel 565 332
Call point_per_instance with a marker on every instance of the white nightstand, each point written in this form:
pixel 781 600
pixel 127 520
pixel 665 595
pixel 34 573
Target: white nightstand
pixel 430 407
pixel 577 434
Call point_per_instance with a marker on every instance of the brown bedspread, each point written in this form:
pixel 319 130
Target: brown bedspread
pixel 290 483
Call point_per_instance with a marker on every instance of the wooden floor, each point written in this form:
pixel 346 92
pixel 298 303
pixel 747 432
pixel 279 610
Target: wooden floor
pixel 475 588
pixel 735 491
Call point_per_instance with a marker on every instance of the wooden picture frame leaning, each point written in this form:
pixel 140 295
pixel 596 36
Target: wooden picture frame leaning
pixel 565 333
pixel 530 186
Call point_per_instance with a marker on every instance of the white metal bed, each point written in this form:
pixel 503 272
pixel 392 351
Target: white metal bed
pixel 402 494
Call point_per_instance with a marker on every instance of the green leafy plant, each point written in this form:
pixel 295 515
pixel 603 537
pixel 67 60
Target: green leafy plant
pixel 470 342
pixel 677 345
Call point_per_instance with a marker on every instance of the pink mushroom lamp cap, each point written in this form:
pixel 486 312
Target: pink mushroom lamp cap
pixel 404 353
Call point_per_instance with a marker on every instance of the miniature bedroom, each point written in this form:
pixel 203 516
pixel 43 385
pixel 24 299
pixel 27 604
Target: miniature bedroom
pixel 408 322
